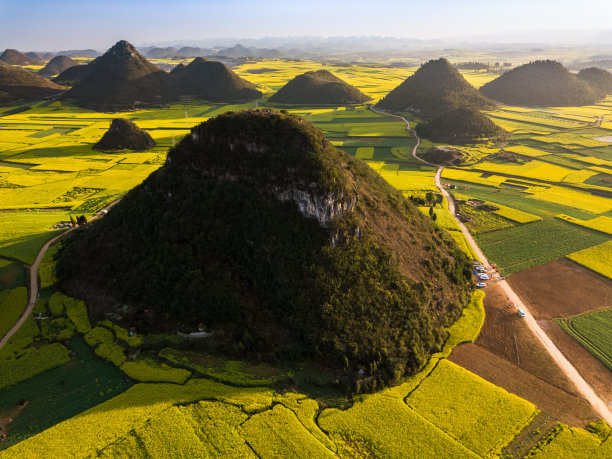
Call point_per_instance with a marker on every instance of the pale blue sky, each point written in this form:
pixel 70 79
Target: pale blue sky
pixel 62 24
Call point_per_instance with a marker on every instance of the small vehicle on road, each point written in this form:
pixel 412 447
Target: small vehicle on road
pixel 481 285
pixel 521 313
pixel 482 269
pixel 483 276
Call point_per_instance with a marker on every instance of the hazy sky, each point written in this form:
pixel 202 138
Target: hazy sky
pixel 64 24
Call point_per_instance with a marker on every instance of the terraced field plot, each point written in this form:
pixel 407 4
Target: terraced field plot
pixel 592 330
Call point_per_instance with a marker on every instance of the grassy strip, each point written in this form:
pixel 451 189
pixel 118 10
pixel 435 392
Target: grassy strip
pixel 33 363
pixel 148 370
pixel 11 308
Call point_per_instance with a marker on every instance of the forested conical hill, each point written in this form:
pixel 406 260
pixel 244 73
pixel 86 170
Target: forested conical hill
pixel 124 134
pixel 319 87
pixel 72 75
pixel 122 79
pixel 57 65
pixel 19 84
pixel 460 126
pixel 598 79
pixel 435 88
pixel 14 57
pixel 281 243
pixel 540 84
pixel 212 80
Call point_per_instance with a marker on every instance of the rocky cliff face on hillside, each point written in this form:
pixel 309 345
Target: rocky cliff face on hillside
pixel 281 244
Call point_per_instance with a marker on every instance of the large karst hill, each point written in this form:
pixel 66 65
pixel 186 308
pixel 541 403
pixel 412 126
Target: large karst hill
pixel 125 135
pixel 14 57
pixel 72 75
pixel 213 81
pixel 19 84
pixel 598 79
pixel 57 65
pixel 434 89
pixel 540 84
pixel 319 87
pixel 280 244
pixel 460 126
pixel 122 79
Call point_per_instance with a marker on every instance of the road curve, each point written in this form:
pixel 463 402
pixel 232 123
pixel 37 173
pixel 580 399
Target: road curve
pixel 34 285
pixel 570 371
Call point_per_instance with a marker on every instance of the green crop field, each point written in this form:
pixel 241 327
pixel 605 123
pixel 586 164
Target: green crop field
pixel 592 330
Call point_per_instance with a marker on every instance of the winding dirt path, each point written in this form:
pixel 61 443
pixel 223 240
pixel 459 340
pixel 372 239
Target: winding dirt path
pixel 570 371
pixel 33 288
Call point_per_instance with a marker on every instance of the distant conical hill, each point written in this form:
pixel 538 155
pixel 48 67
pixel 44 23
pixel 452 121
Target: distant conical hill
pixel 598 79
pixel 318 88
pixel 279 243
pixel 14 57
pixel 125 135
pixel 122 79
pixel 72 75
pixel 460 126
pixel 435 88
pixel 57 65
pixel 213 81
pixel 541 84
pixel 19 84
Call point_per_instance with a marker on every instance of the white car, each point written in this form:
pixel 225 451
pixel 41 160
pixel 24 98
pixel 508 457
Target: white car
pixel 482 269
pixel 483 277
pixel 481 285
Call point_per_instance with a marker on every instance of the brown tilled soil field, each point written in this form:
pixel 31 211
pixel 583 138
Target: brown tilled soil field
pixel 561 288
pixel 508 355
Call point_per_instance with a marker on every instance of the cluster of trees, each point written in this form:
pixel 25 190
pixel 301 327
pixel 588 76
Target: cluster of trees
pixel 205 239
pixel 460 126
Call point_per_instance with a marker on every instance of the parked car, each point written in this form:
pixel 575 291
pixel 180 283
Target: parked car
pixel 483 276
pixel 481 285
pixel 482 269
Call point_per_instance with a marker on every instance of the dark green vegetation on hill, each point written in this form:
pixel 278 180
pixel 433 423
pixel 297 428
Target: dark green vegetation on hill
pixel 57 65
pixel 19 84
pixel 72 75
pixel 459 126
pixel 318 88
pixel 284 245
pixel 598 79
pixel 122 79
pixel 124 134
pixel 436 88
pixel 14 57
pixel 214 81
pixel 540 83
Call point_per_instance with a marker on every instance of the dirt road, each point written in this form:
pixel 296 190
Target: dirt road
pixel 34 287
pixel 581 385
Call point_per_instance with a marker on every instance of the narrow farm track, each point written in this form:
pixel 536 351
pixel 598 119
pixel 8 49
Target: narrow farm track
pixel 34 284
pixel 570 371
